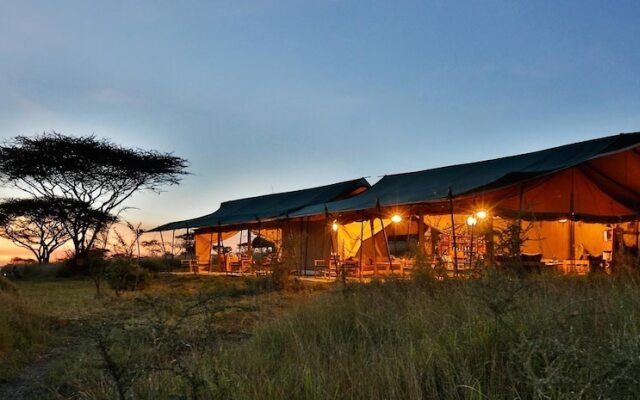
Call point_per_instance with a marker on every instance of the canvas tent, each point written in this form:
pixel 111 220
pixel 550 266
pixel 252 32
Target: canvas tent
pixel 571 193
pixel 265 216
pixel 596 180
pixel 586 184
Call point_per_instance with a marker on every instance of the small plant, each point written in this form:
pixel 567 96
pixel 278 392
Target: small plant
pixel 423 274
pixel 124 274
pixel 7 287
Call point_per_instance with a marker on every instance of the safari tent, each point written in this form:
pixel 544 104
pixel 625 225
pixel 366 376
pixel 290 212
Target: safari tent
pixel 267 217
pixel 569 198
pixel 572 201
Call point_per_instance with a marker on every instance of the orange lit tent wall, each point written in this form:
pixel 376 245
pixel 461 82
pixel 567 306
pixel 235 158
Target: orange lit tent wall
pixel 596 181
pixel 267 215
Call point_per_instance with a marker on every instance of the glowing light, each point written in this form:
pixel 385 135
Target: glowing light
pixel 396 218
pixel 481 214
pixel 563 220
pixel 471 220
pixel 334 226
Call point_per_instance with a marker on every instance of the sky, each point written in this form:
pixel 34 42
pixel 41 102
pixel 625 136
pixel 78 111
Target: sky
pixel 269 96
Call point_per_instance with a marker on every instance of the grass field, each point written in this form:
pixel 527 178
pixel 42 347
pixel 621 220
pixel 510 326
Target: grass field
pixel 498 337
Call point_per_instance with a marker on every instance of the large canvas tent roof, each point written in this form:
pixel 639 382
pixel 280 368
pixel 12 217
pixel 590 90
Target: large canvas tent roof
pixel 268 207
pixel 604 182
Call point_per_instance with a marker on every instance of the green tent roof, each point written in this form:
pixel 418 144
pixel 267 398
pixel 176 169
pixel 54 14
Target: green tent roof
pixel 433 185
pixel 269 207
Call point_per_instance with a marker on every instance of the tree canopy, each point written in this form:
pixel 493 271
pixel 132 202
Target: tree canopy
pixel 96 172
pixel 40 224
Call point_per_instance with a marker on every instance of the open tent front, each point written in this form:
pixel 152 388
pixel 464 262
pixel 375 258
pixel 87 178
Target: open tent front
pixel 262 216
pixel 571 201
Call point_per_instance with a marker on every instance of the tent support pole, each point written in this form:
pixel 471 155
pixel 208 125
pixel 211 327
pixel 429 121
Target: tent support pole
pixel 407 242
pixel 226 257
pixel 375 248
pixel 386 240
pixel 572 232
pixel 333 256
pixel 519 221
pixel 249 247
pixel 306 245
pixel 164 251
pixel 173 242
pixel 219 257
pixel 489 241
pixel 210 248
pixel 453 234
pixel 421 232
pixel 361 246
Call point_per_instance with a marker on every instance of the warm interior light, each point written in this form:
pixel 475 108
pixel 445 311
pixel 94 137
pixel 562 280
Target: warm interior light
pixel 471 220
pixel 334 226
pixel 563 220
pixel 396 218
pixel 481 214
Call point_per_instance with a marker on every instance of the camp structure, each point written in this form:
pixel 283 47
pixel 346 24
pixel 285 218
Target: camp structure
pixel 263 223
pixel 570 207
pixel 574 205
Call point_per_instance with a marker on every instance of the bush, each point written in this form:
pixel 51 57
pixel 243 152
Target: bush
pixel 7 287
pixel 159 264
pixel 124 274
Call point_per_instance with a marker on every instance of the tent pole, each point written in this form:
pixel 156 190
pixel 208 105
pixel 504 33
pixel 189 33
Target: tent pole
pixel 386 240
pixel 210 248
pixel 333 251
pixel 375 248
pixel 226 257
pixel 572 232
pixel 192 256
pixel 173 241
pixel 519 220
pixel 453 234
pixel 407 242
pixel 489 241
pixel 421 232
pixel 219 257
pixel 361 245
pixel 306 245
pixel 249 248
pixel 164 251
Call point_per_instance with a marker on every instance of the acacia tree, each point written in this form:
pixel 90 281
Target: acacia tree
pixel 40 225
pixel 96 172
pixel 126 246
pixel 154 247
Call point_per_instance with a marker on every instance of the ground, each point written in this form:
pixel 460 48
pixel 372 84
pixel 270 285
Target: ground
pixel 71 307
pixel 499 336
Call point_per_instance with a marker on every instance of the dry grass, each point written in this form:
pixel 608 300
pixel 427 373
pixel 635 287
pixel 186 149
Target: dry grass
pixel 497 338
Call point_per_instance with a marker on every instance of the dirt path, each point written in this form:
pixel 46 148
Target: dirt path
pixel 31 383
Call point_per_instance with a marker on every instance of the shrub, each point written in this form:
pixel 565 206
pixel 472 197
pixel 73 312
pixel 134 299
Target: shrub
pixel 124 274
pixel 159 264
pixel 7 287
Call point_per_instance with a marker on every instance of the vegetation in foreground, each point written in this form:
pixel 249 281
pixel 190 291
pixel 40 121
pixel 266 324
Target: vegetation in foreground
pixel 495 337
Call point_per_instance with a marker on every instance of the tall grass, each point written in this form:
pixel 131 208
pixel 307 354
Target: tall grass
pixel 498 337
pixel 24 332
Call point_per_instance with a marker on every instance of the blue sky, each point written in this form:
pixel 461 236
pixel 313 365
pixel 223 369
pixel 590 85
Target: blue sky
pixel 268 96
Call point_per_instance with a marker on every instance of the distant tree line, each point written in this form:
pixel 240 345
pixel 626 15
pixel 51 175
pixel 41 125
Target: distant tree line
pixel 75 187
